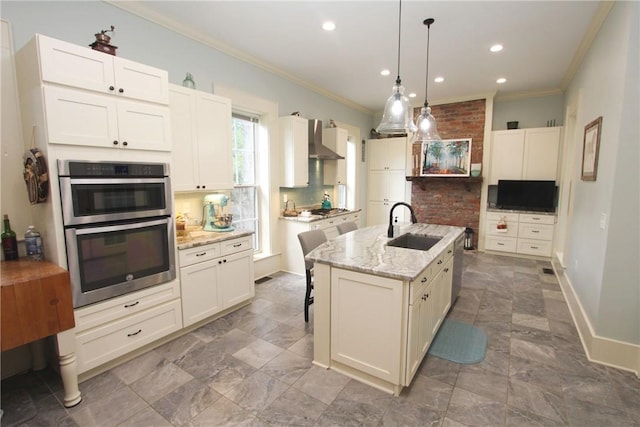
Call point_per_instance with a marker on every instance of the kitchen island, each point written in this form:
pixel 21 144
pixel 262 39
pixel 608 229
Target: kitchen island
pixel 377 307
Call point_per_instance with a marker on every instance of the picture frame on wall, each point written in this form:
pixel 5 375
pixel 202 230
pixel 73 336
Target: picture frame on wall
pixel 590 150
pixel 446 158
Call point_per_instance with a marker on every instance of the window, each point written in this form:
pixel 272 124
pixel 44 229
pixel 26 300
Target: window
pixel 244 196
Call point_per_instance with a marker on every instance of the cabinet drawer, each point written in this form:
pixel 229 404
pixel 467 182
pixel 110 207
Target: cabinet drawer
pixel 534 247
pixel 105 343
pixel 125 305
pixel 510 231
pixel 504 244
pixel 198 254
pixel 420 282
pixel 535 231
pixel 509 217
pixel 447 253
pixel 538 219
pixel 229 247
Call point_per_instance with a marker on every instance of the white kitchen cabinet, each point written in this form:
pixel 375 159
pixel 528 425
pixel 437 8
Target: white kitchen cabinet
pixel 81 67
pixel 386 179
pixel 526 233
pixel 72 93
pixel 294 146
pixel 201 133
pixel 335 171
pixel 529 154
pixel 109 329
pixel 77 117
pixel 368 340
pixel 215 277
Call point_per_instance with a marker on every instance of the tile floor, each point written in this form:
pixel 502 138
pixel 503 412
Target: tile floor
pixel 253 367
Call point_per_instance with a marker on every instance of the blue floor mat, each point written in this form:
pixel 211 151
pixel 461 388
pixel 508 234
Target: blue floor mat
pixel 459 342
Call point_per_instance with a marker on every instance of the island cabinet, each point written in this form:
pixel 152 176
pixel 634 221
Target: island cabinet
pixel 201 132
pixel 378 329
pixel 83 97
pixel 215 277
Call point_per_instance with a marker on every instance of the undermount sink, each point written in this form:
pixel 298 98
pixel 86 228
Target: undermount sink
pixel 414 241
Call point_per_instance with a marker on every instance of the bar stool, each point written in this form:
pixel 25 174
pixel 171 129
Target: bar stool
pixel 310 240
pixel 346 227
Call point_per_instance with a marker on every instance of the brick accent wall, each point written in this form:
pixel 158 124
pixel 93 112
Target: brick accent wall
pixel 452 202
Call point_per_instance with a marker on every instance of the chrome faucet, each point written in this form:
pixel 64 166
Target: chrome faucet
pixel 414 220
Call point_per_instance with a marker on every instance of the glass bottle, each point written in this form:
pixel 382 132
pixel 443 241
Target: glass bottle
pixel 188 82
pixel 33 244
pixel 9 241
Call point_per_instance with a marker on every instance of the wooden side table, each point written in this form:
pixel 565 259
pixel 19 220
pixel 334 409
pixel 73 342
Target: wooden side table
pixel 36 303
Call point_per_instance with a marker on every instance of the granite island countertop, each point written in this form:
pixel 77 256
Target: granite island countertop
pixel 365 250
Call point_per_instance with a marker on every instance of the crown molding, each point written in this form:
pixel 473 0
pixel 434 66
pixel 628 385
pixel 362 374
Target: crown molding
pixel 596 23
pixel 140 10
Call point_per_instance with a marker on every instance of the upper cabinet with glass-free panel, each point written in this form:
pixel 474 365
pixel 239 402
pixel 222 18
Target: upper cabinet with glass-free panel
pixel 201 133
pixel 335 171
pixel 294 147
pixel 77 66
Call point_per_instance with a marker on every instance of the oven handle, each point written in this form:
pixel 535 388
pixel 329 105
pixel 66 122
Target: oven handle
pixel 94 181
pixel 120 227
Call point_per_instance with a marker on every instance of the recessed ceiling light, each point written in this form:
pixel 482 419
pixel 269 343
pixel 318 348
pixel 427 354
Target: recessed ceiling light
pixel 439 79
pixel 501 80
pixel 385 72
pixel 496 48
pixel 328 26
pixel 412 95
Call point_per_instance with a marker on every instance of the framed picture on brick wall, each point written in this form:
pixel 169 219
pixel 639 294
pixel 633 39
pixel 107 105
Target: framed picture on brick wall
pixel 449 157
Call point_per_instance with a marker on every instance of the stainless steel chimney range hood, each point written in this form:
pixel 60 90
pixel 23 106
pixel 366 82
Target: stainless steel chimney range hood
pixel 317 150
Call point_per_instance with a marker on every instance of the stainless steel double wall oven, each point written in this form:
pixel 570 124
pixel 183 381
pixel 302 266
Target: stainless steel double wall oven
pixel 118 227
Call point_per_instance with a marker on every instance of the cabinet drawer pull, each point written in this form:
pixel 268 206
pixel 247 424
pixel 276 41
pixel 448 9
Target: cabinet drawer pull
pixel 237 245
pixel 534 247
pixel 439 261
pixel 134 333
pixel 500 244
pixel 131 305
pixel 424 279
pixel 446 270
pixel 201 254
pixel 449 251
pixel 535 231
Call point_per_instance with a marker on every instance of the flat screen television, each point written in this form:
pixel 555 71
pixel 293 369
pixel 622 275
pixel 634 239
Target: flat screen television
pixel 527 195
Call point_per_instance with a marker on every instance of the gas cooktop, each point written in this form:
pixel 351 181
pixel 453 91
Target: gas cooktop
pixel 328 212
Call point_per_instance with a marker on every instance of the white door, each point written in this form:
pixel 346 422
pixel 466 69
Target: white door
pixel 200 298
pixel 235 278
pixel 213 131
pixel 143 126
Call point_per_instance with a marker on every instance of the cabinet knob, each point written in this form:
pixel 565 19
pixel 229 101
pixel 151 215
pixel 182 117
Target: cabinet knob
pixel 111 88
pixel 219 262
pixel 121 90
pixel 115 142
pixel 125 143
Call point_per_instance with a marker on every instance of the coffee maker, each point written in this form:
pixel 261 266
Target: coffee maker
pixel 213 217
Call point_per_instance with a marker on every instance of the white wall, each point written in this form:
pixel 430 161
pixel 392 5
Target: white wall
pixel 531 112
pixel 603 264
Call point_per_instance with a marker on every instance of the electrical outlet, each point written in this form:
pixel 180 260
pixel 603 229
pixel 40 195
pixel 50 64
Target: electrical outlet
pixel 603 221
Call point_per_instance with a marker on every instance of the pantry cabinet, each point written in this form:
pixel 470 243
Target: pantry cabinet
pixel 294 146
pixel 83 97
pixel 529 154
pixel 386 179
pixel 335 171
pixel 201 132
pixel 215 277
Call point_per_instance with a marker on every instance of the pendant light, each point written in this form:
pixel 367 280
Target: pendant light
pixel 427 130
pixel 397 117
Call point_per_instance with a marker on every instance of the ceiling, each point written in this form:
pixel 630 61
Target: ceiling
pixel 543 43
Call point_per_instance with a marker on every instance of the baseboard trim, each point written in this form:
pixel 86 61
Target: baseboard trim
pixel 606 351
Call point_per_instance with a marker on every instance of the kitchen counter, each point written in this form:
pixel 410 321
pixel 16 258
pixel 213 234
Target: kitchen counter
pixel 313 218
pixel 377 308
pixel 365 250
pixel 196 236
